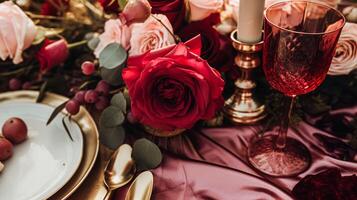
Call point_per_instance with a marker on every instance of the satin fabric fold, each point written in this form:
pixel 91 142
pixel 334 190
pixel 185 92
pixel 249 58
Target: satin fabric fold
pixel 212 164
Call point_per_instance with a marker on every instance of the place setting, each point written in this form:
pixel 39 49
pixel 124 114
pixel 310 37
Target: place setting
pixel 178 99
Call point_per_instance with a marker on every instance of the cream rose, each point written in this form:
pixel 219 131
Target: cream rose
pixel 17 32
pixel 150 35
pixel 200 9
pixel 345 59
pixel 114 31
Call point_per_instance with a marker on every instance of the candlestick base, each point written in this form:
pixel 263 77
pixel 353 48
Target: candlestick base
pixel 243 107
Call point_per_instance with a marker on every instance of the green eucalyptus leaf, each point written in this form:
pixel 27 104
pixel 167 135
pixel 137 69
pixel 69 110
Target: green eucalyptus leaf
pixel 113 56
pixel 146 154
pixel 112 76
pixel 111 117
pixel 112 137
pixel 93 43
pixel 119 101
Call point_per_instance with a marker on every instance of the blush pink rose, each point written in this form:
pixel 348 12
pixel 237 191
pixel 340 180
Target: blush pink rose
pixel 114 31
pixel 172 88
pixel 345 59
pixel 200 9
pixel 17 32
pixel 150 35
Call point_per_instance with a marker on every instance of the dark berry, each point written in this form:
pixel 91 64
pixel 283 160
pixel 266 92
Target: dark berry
pixel 72 107
pixel 91 96
pixel 103 88
pixel 131 118
pixel 15 84
pixel 102 103
pixel 80 96
pixel 15 130
pixel 27 85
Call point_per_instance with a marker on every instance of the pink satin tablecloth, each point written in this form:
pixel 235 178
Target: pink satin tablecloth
pixel 211 164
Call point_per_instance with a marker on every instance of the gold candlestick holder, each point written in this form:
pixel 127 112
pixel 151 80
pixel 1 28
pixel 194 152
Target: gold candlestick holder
pixel 242 107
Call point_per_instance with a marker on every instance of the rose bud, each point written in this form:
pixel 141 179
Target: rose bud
pixel 136 11
pixel 15 130
pixel 52 53
pixel 6 149
pixel 1 166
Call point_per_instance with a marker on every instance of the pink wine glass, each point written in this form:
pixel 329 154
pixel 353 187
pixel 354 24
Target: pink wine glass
pixel 299 42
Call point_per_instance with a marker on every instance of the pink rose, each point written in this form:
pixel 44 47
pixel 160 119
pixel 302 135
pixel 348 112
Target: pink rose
pixel 136 11
pixel 200 9
pixel 17 32
pixel 150 35
pixel 172 88
pixel 345 59
pixel 114 31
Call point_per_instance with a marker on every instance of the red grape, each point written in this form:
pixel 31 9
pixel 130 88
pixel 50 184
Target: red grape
pixel 27 85
pixel 6 149
pixel 91 96
pixel 15 84
pixel 72 107
pixel 102 103
pixel 88 68
pixel 102 88
pixel 15 130
pixel 131 118
pixel 80 96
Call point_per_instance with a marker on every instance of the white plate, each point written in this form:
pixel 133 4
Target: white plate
pixel 42 164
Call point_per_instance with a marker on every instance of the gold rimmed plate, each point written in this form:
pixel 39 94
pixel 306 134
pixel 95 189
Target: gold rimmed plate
pixel 77 157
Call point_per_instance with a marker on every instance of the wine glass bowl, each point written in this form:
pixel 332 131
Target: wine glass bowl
pixel 300 39
pixel 299 47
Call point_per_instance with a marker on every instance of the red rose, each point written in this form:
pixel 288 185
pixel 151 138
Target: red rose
pixel 109 6
pixel 174 10
pixel 54 7
pixel 52 53
pixel 217 49
pixel 172 88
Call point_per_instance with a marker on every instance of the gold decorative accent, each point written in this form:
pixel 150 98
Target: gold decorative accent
pixel 141 188
pixel 242 107
pixel 90 137
pixel 162 133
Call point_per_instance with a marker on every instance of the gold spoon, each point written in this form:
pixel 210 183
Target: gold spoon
pixel 120 169
pixel 141 188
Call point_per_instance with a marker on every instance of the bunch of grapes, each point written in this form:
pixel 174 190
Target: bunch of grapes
pixel 99 97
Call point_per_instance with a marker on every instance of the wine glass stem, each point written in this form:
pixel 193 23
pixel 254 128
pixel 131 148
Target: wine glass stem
pixel 283 130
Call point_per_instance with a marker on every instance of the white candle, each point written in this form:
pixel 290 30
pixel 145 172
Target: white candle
pixel 250 20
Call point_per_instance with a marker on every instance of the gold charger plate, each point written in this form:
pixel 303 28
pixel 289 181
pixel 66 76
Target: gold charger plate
pixel 89 131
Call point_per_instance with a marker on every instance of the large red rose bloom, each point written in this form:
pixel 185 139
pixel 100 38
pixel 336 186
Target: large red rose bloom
pixel 172 88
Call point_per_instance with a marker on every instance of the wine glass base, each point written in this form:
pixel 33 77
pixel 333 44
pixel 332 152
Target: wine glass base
pixel 294 159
